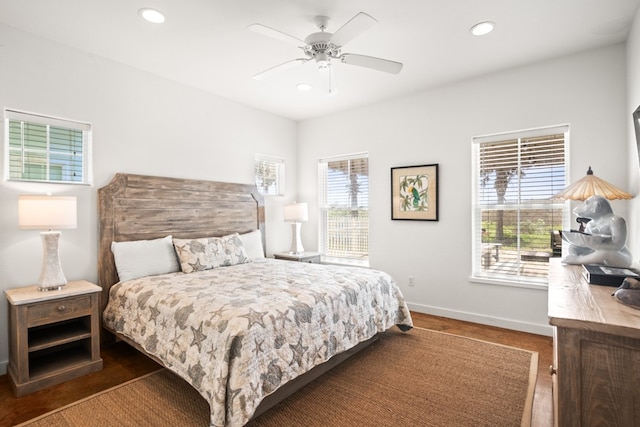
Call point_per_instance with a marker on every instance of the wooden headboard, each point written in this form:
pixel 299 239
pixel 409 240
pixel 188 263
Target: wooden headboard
pixel 137 207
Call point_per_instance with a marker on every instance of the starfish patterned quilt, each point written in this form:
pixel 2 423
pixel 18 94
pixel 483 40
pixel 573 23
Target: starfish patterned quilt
pixel 238 333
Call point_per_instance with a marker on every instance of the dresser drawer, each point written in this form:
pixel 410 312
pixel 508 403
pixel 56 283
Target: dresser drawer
pixel 58 310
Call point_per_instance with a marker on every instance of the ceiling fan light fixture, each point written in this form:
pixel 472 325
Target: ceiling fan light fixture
pixel 482 28
pixel 303 87
pixel 323 47
pixel 151 15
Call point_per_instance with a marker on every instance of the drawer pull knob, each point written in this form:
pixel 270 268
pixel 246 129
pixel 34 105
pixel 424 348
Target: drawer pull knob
pixel 62 308
pixel 552 370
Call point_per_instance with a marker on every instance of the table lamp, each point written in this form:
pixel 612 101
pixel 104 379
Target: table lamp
pixel 591 185
pixel 48 213
pixel 587 186
pixel 296 213
pixel 606 245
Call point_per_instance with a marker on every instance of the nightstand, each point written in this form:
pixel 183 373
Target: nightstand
pixel 311 257
pixel 54 336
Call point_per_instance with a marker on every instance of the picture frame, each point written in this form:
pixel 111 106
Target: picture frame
pixel 414 193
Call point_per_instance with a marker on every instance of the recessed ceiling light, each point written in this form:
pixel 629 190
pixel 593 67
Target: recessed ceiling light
pixel 303 86
pixel 151 15
pixel 482 28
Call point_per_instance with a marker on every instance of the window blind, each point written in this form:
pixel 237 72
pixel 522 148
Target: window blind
pixel 344 208
pixel 515 218
pixel 269 175
pixel 46 149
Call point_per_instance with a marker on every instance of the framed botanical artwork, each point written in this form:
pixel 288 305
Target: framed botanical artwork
pixel 414 192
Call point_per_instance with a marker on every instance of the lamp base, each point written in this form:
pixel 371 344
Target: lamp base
pixel 296 241
pixel 51 275
pixel 51 288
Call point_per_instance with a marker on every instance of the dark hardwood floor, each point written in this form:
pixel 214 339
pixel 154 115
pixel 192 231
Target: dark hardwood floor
pixel 122 363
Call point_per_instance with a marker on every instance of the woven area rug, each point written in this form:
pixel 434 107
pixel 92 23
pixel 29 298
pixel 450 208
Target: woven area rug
pixel 421 378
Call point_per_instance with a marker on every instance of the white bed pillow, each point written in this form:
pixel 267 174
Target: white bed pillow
pixel 252 243
pixel 141 258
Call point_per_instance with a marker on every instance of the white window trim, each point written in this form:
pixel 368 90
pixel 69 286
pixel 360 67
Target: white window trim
pixel 280 179
pixel 86 128
pixel 322 195
pixel 474 277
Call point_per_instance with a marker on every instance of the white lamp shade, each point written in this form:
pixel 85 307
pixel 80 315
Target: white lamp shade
pixel 296 212
pixel 47 212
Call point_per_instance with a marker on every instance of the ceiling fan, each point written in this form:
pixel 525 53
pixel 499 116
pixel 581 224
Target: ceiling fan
pixel 323 47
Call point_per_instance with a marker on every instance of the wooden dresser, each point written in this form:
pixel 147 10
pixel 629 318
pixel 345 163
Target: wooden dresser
pixel 596 343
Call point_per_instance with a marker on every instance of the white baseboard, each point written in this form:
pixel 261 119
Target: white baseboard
pixel 3 367
pixel 532 328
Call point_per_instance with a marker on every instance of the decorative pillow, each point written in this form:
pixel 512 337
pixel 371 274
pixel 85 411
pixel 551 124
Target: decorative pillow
pixel 252 243
pixel 141 258
pixel 210 252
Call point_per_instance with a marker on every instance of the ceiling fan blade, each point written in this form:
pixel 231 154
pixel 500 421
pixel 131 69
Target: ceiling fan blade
pixel 278 68
pixel 278 35
pixel 352 29
pixel 371 62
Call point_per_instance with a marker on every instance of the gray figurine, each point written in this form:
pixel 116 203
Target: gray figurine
pixel 604 238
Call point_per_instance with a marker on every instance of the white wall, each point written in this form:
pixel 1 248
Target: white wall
pixel 633 101
pixel 586 90
pixel 142 124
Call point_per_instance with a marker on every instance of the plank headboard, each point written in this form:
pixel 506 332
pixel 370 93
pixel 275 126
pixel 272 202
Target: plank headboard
pixel 137 207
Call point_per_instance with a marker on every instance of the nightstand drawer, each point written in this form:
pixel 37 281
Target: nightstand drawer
pixel 62 309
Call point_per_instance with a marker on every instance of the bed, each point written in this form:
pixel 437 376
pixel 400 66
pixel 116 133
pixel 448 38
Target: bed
pixel 244 330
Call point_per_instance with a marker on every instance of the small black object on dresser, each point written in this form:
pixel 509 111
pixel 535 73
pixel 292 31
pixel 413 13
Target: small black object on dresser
pixel 608 276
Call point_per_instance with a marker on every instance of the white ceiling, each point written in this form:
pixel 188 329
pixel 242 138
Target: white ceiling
pixel 206 43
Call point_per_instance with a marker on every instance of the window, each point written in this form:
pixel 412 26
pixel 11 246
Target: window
pixel 515 219
pixel 344 209
pixel 46 149
pixel 269 175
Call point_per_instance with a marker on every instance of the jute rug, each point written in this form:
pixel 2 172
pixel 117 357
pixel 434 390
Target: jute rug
pixel 422 378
